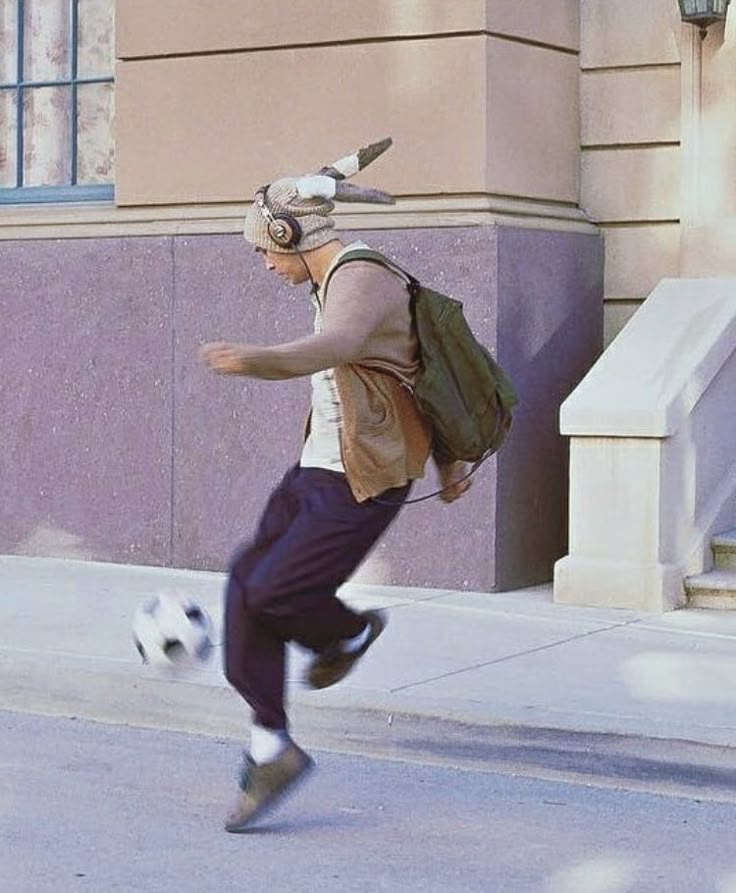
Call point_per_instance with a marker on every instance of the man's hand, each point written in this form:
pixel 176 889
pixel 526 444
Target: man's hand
pixel 224 358
pixel 451 480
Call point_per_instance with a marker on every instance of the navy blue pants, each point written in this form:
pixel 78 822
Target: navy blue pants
pixel 312 536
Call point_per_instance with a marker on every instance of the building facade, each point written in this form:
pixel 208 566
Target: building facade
pixel 541 165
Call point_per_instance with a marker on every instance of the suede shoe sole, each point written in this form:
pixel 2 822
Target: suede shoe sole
pixel 334 664
pixel 264 787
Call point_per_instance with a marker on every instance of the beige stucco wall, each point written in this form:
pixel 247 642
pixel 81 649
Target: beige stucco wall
pixel 480 96
pixel 718 123
pixel 709 231
pixel 188 26
pixel 532 122
pixel 658 135
pixel 630 86
pixel 214 128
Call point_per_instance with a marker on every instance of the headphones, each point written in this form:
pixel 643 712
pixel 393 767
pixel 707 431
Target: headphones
pixel 283 229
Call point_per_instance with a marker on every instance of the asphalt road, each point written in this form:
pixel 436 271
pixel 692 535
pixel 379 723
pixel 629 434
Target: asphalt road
pixel 91 807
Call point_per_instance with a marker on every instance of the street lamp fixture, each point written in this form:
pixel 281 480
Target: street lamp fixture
pixel 703 13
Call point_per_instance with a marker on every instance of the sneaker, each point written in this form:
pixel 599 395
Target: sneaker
pixel 334 664
pixel 263 786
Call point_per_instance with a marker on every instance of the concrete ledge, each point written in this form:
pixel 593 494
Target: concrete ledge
pixel 104 219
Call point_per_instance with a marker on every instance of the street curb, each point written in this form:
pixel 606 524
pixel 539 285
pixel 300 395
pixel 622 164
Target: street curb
pixel 118 697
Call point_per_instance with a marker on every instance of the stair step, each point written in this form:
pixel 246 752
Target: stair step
pixel 715 589
pixel 712 601
pixel 724 550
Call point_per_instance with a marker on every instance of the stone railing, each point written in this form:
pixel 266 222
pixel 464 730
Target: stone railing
pixel 653 451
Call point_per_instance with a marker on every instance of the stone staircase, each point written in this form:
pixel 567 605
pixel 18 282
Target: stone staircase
pixel 716 588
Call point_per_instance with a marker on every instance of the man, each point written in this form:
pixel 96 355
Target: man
pixel 366 442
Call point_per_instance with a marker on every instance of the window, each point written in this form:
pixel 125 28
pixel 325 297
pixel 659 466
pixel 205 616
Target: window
pixel 56 100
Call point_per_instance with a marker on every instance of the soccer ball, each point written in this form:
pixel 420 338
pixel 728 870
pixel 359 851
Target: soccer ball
pixel 172 632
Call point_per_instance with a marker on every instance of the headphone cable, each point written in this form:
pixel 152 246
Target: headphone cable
pixel 309 272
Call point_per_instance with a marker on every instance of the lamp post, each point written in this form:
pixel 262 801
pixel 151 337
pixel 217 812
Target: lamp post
pixel 703 13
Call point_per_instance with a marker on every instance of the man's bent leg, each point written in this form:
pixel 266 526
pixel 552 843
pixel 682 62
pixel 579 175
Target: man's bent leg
pixel 255 661
pixel 294 586
pixel 286 590
pixel 251 651
pixel 255 666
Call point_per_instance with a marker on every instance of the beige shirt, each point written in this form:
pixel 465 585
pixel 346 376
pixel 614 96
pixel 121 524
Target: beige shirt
pixel 322 447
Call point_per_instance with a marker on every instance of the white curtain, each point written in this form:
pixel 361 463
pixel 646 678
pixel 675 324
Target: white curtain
pixel 95 102
pixel 95 42
pixel 46 110
pixel 95 159
pixel 8 38
pixel 8 72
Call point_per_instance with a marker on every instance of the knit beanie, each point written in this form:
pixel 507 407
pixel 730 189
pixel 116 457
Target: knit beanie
pixel 312 214
pixel 310 200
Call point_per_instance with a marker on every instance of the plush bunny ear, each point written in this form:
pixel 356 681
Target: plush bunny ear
pixel 350 192
pixel 324 186
pixel 348 166
pixel 329 182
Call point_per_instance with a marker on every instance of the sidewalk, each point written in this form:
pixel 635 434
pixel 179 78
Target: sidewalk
pixel 512 658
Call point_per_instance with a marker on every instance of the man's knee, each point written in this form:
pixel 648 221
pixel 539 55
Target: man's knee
pixel 265 597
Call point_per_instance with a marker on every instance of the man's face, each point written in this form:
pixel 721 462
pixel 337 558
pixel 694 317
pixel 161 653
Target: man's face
pixel 285 266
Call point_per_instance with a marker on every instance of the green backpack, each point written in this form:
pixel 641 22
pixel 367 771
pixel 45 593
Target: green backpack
pixel 459 388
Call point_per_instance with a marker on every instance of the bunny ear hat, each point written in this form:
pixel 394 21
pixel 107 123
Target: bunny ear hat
pixel 310 199
pixel 332 178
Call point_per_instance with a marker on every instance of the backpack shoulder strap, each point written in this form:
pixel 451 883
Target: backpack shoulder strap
pixel 368 254
pixel 413 286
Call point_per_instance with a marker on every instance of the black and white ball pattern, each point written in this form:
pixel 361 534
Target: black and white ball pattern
pixel 171 631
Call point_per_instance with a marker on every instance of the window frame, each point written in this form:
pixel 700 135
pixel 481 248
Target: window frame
pixel 71 192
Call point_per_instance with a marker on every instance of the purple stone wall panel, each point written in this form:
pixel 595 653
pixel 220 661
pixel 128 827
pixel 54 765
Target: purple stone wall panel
pixel 550 292
pixel 85 407
pixel 460 262
pixel 441 546
pixel 119 446
pixel 234 437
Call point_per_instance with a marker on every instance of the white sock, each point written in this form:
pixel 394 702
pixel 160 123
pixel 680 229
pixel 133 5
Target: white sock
pixel 266 744
pixel 357 642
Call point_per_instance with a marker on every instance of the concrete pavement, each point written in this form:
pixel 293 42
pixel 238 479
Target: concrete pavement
pixel 92 808
pixel 490 660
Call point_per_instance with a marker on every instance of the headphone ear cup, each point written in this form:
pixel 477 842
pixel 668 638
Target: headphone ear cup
pixel 285 230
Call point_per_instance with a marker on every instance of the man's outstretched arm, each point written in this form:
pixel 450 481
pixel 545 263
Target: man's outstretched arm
pixel 353 312
pixel 290 360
